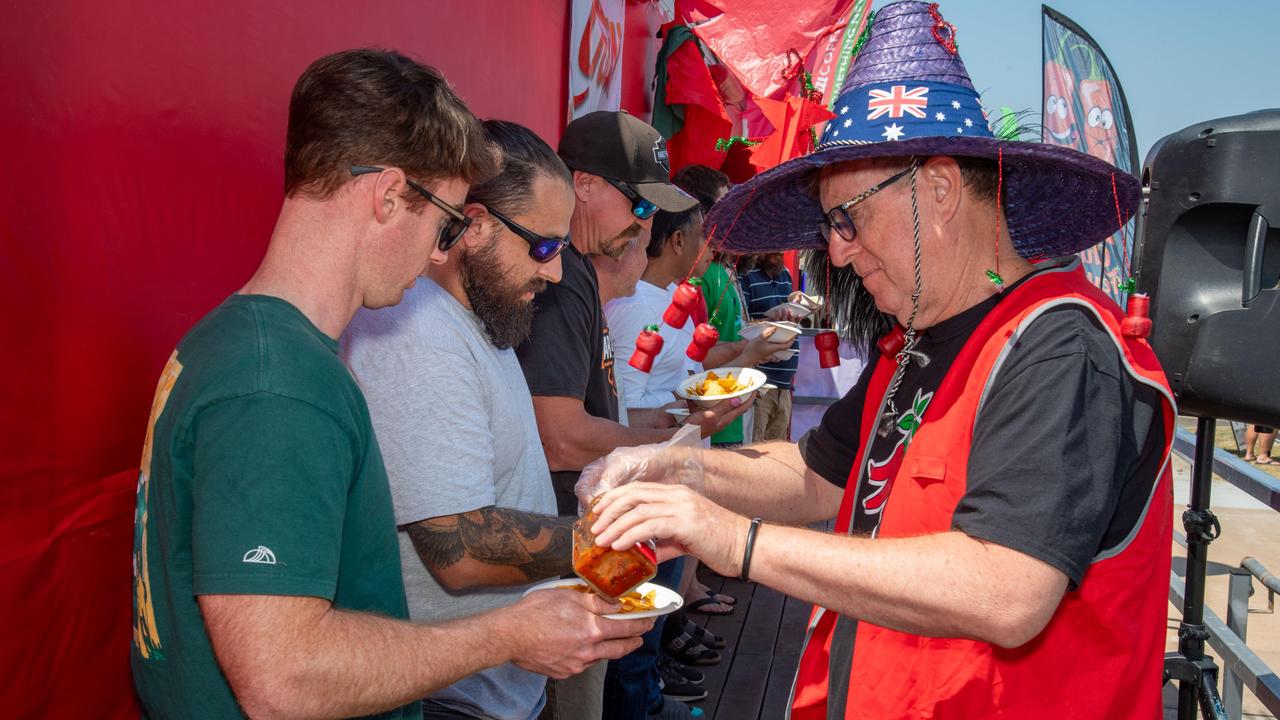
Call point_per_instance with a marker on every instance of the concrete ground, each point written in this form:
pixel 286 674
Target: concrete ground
pixel 1249 528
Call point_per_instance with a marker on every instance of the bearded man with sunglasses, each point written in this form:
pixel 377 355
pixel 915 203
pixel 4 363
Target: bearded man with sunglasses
pixel 267 579
pixel 450 405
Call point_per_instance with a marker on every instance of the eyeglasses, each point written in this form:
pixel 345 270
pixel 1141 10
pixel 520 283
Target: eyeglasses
pixel 451 232
pixel 542 249
pixel 837 218
pixel 640 207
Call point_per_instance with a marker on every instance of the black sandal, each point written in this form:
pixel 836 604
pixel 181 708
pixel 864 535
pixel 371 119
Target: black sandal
pixel 701 606
pixel 691 652
pixel 703 636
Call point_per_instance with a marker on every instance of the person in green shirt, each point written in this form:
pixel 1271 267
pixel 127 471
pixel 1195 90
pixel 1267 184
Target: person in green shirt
pixel 719 286
pixel 267 574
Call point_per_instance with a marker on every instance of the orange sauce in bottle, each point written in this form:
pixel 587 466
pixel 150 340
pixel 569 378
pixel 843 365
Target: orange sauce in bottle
pixel 610 572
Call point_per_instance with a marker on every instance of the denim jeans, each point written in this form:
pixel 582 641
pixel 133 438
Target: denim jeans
pixel 631 688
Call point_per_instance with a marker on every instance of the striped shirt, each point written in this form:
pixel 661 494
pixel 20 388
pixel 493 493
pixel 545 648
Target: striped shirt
pixel 761 293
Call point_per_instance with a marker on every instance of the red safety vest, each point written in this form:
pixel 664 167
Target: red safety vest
pixel 1100 656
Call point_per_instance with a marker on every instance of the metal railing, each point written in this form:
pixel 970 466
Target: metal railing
pixel 1241 666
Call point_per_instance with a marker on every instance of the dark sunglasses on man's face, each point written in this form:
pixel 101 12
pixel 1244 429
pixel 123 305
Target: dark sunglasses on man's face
pixel 837 218
pixel 451 232
pixel 542 249
pixel 640 207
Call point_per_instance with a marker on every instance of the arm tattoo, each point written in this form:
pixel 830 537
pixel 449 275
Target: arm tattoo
pixel 437 542
pixel 539 546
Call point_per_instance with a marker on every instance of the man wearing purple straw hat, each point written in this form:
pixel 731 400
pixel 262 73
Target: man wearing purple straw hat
pixel 999 474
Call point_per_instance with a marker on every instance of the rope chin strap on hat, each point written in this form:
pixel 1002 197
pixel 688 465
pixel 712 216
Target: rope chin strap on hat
pixel 911 338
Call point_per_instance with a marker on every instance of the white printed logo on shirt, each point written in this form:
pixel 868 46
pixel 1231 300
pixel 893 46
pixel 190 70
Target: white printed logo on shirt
pixel 261 555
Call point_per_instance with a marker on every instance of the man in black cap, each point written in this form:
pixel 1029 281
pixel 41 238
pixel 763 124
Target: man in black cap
pixel 620 179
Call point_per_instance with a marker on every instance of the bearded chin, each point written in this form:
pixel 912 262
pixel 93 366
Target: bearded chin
pixel 507 317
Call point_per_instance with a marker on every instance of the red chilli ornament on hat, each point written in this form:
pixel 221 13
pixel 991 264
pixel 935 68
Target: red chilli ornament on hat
pixel 648 345
pixel 705 337
pixel 682 304
pixel 1136 323
pixel 828 345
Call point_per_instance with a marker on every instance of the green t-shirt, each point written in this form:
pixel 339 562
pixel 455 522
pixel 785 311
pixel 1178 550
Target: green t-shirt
pixel 725 313
pixel 260 476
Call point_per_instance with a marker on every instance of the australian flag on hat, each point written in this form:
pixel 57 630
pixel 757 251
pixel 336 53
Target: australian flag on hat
pixel 908 82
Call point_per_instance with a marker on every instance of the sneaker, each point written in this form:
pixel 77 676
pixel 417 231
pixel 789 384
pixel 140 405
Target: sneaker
pixel 675 710
pixel 677 667
pixel 675 687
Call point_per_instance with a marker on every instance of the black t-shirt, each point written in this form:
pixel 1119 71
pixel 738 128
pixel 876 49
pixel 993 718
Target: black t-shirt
pixel 569 353
pixel 1065 450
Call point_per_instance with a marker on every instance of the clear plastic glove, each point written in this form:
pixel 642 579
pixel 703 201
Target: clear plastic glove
pixel 676 461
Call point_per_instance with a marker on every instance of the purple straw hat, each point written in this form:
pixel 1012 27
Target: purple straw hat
pixel 908 93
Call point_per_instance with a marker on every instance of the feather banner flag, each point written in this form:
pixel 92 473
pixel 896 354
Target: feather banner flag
pixel 1085 109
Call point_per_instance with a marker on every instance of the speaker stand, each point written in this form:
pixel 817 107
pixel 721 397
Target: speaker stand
pixel 1196 674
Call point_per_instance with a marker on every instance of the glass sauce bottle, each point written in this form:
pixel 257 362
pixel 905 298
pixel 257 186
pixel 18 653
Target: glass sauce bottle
pixel 610 572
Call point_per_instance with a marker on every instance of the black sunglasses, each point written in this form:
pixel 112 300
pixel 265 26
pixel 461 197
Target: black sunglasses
pixel 640 207
pixel 837 218
pixel 542 249
pixel 451 232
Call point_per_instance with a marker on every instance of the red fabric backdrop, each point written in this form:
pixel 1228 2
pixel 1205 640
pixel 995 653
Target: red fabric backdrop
pixel 142 149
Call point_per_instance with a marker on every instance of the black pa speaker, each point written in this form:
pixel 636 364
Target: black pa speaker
pixel 1209 256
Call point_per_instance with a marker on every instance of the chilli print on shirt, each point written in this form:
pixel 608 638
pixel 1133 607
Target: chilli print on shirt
pixel 880 474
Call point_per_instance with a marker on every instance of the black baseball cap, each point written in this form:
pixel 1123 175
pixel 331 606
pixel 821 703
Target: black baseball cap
pixel 622 147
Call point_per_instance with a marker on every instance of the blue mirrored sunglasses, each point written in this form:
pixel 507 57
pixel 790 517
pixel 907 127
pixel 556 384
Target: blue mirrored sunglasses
pixel 640 207
pixel 541 248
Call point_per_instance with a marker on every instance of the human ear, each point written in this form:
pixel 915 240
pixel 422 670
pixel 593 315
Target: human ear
pixel 944 182
pixel 474 234
pixel 676 240
pixel 388 198
pixel 583 185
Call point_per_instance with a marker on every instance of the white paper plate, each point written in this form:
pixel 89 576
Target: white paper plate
pixel 666 601
pixel 750 377
pixel 796 309
pixel 813 302
pixel 785 332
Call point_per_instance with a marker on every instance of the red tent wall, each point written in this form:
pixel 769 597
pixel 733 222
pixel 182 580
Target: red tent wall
pixel 142 147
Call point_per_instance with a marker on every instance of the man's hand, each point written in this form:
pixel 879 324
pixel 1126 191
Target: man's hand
pixel 784 312
pixel 676 516
pixel 714 419
pixel 561 632
pixel 759 348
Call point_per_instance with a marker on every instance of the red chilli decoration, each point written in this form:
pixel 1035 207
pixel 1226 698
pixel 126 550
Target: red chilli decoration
pixel 827 342
pixel 1136 323
pixel 828 346
pixel 943 31
pixel 682 304
pixel 705 337
pixel 648 345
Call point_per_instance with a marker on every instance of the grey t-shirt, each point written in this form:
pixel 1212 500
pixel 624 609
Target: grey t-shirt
pixel 455 421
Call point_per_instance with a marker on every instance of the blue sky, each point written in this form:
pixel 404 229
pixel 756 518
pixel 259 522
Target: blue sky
pixel 1180 62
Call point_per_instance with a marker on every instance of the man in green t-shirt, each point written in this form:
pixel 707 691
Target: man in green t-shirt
pixel 267 574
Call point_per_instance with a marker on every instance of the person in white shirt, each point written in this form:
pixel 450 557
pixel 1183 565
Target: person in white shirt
pixel 675 253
